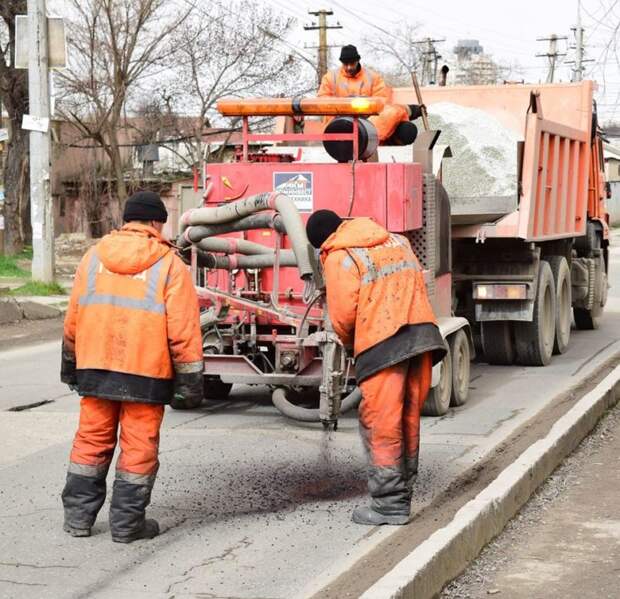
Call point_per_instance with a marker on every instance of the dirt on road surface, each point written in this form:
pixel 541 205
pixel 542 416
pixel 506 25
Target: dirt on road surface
pixel 566 541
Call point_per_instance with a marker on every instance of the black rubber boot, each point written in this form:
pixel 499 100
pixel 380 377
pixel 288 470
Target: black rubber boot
pixel 370 517
pixel 411 472
pixel 127 513
pixel 390 498
pixel 149 530
pixel 82 499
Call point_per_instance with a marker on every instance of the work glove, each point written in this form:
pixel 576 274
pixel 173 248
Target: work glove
pixel 68 373
pixel 188 390
pixel 415 111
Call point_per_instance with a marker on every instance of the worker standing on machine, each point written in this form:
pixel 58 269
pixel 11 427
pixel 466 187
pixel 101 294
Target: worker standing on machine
pixel 377 302
pixel 354 80
pixel 131 343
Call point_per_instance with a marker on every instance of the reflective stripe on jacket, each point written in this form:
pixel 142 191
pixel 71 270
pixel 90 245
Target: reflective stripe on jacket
pixel 364 83
pixel 133 318
pixel 375 294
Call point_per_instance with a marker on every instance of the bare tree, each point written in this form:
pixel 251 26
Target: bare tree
pixel 237 50
pixel 399 52
pixel 113 45
pixel 14 98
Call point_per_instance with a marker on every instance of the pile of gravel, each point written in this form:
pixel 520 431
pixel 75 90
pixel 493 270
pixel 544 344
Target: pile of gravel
pixel 484 162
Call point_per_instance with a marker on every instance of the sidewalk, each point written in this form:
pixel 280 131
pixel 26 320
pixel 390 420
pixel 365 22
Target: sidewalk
pixel 566 541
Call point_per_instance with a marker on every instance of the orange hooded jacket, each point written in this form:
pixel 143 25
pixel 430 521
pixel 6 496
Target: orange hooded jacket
pixel 133 318
pixel 338 84
pixel 376 296
pixel 365 82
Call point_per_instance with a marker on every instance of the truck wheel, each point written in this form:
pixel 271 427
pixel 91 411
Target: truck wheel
pixel 214 388
pixel 563 302
pixel 588 320
pixel 497 342
pixel 534 340
pixel 438 399
pixel 461 367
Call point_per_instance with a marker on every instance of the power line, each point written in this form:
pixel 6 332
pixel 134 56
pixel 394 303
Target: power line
pixel 369 23
pixel 430 59
pixel 552 54
pixel 322 28
pixel 296 49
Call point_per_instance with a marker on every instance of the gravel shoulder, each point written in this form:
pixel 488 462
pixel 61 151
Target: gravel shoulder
pixel 566 541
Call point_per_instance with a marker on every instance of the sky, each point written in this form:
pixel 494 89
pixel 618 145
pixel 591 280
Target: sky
pixel 507 30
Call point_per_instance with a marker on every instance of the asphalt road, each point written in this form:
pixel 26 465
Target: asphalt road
pixel 252 505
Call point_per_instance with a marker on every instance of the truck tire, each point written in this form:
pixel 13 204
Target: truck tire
pixel 214 388
pixel 498 342
pixel 438 400
pixel 563 302
pixel 461 367
pixel 588 319
pixel 534 340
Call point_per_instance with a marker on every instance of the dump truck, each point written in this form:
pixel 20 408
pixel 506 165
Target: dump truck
pixel 502 200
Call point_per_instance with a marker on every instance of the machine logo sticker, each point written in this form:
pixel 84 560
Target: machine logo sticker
pixel 297 186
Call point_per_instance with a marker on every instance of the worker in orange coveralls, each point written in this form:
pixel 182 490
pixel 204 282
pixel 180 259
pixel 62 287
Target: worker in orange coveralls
pixel 131 343
pixel 352 80
pixel 377 302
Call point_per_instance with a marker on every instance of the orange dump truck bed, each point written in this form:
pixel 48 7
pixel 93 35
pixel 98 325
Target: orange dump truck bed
pixel 551 184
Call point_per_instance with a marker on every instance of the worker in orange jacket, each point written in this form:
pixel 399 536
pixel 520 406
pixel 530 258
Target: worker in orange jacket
pixel 352 79
pixel 131 344
pixel 377 302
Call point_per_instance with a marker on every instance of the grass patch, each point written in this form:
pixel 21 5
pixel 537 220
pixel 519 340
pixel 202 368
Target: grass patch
pixel 9 268
pixel 26 253
pixel 39 288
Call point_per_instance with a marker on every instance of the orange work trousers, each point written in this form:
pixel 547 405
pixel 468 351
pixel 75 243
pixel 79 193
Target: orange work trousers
pixel 388 119
pixel 96 437
pixel 390 410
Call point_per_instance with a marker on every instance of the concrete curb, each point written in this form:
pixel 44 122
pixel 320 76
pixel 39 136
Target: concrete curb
pixel 15 309
pixel 448 551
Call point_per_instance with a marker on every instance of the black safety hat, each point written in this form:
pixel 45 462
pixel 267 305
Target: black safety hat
pixel 349 54
pixel 321 225
pixel 145 205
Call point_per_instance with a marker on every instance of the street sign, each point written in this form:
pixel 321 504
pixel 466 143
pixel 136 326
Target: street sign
pixel 35 123
pixel 57 43
pixel 4 134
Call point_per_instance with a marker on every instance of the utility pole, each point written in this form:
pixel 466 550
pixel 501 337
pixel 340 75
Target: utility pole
pixel 2 163
pixel 578 73
pixel 41 208
pixel 322 47
pixel 552 54
pixel 579 48
pixel 430 60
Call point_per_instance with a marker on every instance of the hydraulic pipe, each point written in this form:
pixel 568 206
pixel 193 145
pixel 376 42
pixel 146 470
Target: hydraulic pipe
pixel 287 258
pixel 311 414
pixel 231 245
pixel 264 201
pixel 194 234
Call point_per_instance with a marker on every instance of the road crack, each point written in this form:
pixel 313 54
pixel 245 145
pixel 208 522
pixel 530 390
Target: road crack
pixel 25 584
pixel 20 565
pixel 226 554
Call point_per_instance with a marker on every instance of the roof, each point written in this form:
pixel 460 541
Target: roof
pixel 611 152
pixel 612 131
